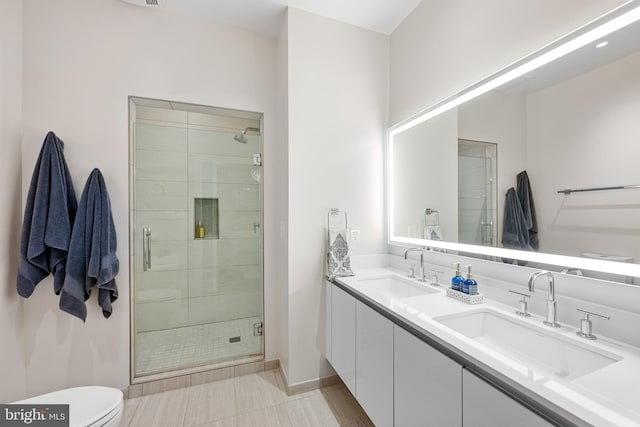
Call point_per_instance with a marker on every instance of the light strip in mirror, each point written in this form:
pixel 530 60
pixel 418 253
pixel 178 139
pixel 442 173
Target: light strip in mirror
pixel 596 30
pixel 523 67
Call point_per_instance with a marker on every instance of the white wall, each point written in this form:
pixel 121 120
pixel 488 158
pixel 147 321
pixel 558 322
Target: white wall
pixel 281 159
pixel 12 368
pixel 337 116
pixel 444 46
pixel 583 133
pixel 81 61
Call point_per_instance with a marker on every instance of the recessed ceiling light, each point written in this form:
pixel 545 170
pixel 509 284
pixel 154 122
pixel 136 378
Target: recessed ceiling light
pixel 601 44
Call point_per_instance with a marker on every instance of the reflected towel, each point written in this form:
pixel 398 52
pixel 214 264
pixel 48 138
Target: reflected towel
pixel 338 258
pixel 92 252
pixel 432 232
pixel 514 232
pixel 525 195
pixel 48 218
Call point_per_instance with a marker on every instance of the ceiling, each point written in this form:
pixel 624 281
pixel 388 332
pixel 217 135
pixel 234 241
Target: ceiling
pixel 264 16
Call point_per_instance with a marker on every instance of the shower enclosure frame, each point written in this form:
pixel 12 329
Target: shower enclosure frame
pixel 169 373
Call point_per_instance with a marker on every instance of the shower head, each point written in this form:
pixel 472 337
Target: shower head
pixel 242 138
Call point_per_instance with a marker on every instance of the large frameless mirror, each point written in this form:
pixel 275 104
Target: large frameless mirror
pixel 560 127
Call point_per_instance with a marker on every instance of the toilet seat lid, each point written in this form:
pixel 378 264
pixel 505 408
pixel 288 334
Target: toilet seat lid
pixel 86 404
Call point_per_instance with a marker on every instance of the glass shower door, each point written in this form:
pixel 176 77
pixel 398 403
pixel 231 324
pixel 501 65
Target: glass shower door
pixel 197 214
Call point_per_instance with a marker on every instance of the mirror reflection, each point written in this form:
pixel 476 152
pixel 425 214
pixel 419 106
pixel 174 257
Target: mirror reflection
pixel 571 125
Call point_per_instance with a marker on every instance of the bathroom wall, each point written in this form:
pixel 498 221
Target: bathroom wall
pixel 281 158
pixel 337 105
pixel 589 139
pixel 81 61
pixel 12 368
pixel 444 46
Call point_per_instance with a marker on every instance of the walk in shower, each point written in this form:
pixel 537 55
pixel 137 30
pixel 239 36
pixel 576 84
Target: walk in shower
pixel 196 236
pixel 477 207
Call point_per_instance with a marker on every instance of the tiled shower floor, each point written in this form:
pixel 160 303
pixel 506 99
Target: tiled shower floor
pixel 195 345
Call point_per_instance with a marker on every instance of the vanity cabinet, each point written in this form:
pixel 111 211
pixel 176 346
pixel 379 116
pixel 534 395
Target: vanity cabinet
pixel 374 365
pixel 427 384
pixel 399 380
pixel 485 406
pixel 343 336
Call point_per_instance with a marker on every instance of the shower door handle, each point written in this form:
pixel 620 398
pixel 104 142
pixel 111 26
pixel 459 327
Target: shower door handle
pixel 146 249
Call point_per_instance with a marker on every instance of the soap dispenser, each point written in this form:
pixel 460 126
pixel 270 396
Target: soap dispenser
pixel 200 231
pixel 470 286
pixel 457 280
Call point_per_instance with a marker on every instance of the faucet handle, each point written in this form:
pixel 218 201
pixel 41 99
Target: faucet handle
pixel 434 277
pixel 412 272
pixel 522 305
pixel 586 325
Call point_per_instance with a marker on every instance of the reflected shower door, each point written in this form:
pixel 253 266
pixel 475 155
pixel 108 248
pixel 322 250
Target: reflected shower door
pixel 197 246
pixel 477 207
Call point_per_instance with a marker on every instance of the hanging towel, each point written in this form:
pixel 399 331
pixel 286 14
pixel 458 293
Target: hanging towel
pixel 514 231
pixel 92 252
pixel 525 195
pixel 338 258
pixel 48 219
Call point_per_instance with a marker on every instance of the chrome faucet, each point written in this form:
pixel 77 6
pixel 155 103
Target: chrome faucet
pixel 551 298
pixel 423 276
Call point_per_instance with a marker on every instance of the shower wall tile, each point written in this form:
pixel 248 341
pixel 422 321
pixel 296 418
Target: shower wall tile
pixel 161 284
pixel 239 224
pixel 161 114
pixel 221 143
pixel 165 225
pixel 236 173
pixel 203 168
pixel 223 307
pixel 155 316
pixel 161 166
pixel 214 168
pixel 239 197
pixel 212 281
pixel 203 253
pixel 159 195
pixel 223 253
pixel 160 138
pixel 202 190
pixel 209 120
pixel 165 256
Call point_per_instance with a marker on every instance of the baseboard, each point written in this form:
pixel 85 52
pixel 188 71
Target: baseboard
pixel 306 386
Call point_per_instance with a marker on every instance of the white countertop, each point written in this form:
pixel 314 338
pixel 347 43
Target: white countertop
pixel 606 397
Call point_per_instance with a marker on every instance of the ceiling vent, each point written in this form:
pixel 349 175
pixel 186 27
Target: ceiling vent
pixel 145 3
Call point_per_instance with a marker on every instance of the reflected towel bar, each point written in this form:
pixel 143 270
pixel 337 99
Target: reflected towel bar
pixel 619 187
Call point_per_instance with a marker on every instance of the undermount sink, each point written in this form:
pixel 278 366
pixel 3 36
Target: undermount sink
pixel 394 287
pixel 527 348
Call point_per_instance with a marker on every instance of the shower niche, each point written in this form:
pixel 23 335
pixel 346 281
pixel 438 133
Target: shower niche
pixel 205 218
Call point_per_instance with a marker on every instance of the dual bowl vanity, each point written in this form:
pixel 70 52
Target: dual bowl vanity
pixel 413 356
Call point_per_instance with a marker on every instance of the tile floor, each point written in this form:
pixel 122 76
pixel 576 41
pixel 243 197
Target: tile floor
pixel 195 345
pixel 251 400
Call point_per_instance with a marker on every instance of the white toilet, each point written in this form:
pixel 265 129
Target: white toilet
pixel 92 406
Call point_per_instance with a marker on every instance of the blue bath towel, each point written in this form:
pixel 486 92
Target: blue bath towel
pixel 92 252
pixel 525 195
pixel 515 234
pixel 48 219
